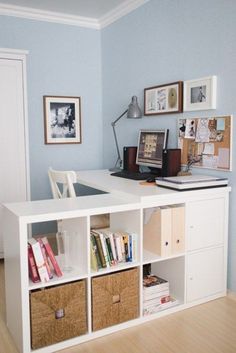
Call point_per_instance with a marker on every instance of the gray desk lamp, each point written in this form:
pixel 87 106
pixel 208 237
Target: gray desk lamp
pixel 133 112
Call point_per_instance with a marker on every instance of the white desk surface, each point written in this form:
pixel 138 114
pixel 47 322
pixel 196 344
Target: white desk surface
pixel 102 180
pixel 122 194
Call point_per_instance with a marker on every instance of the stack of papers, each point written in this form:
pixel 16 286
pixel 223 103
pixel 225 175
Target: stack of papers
pixel 189 182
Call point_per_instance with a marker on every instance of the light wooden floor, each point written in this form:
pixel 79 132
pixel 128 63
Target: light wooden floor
pixel 207 328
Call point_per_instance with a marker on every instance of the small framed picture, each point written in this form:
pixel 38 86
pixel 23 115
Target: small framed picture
pixel 62 119
pixel 200 94
pixel 164 99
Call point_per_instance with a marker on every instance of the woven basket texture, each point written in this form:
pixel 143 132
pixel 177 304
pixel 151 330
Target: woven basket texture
pixel 69 300
pixel 115 298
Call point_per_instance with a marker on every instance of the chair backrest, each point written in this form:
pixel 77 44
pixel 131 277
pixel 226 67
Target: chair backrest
pixel 66 179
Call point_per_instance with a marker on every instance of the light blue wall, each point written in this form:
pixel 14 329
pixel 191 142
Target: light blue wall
pixel 160 42
pixel 63 60
pixel 166 41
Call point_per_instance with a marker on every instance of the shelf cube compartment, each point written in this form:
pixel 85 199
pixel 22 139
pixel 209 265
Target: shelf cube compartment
pixel 164 231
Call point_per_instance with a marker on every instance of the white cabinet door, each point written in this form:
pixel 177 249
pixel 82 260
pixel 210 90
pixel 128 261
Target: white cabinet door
pixel 205 223
pixel 13 173
pixel 205 273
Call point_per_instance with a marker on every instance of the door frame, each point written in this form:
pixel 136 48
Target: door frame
pixel 20 55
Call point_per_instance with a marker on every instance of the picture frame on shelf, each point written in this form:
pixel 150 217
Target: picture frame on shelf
pixel 164 99
pixel 200 94
pixel 62 119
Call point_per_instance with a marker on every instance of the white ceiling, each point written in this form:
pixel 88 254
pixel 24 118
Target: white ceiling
pixel 91 13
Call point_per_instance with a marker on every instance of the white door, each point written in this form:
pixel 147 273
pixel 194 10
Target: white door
pixel 205 221
pixel 13 144
pixel 205 273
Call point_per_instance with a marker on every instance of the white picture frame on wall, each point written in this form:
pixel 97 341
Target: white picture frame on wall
pixel 200 94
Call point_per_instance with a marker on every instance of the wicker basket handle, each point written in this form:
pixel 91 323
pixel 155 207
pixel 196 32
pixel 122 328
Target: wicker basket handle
pixel 116 299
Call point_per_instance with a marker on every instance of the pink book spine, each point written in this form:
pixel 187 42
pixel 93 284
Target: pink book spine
pixel 45 258
pixel 52 257
pixel 33 273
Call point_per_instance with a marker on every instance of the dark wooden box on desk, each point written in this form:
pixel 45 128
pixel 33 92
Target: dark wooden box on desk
pixel 171 162
pixel 129 159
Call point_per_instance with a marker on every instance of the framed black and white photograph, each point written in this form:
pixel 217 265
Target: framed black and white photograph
pixel 62 119
pixel 200 94
pixel 164 99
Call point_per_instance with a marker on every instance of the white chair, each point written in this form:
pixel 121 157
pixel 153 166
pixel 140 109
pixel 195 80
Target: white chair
pixel 66 179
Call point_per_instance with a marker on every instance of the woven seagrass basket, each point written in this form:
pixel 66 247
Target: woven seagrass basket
pixel 58 313
pixel 115 298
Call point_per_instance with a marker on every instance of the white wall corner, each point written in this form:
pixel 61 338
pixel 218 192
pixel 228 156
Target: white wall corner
pixel 120 11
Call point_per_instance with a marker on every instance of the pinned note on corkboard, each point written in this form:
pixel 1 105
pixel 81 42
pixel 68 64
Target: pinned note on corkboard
pixel 206 142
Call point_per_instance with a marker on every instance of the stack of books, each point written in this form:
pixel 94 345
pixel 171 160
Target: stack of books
pixel 156 294
pixel 42 261
pixel 111 248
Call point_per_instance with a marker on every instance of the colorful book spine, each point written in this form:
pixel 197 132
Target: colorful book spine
pixel 51 256
pixel 50 274
pixel 39 260
pixel 108 243
pixel 33 272
pixel 122 248
pixel 93 260
pixel 130 247
pixel 113 247
pixel 95 249
pixel 117 239
pixel 126 246
pixel 100 251
pixel 104 249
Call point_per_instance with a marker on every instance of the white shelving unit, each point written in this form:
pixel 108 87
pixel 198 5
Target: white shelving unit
pixel 196 275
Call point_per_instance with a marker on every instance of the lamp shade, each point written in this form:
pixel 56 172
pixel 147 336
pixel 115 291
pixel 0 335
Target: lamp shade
pixel 134 111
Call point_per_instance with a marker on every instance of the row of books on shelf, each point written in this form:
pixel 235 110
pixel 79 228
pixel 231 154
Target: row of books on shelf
pixel 111 248
pixel 42 261
pixel 156 294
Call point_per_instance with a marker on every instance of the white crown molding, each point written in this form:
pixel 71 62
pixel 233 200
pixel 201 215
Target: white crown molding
pixel 48 16
pixel 56 17
pixel 120 11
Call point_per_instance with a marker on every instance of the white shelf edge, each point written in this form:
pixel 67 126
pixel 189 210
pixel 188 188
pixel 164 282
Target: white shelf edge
pixel 66 278
pixel 149 257
pixel 120 267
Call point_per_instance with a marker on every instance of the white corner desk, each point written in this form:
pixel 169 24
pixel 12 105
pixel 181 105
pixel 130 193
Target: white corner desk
pixel 197 274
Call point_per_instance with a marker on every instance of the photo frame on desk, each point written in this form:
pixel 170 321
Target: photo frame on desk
pixel 62 120
pixel 206 142
pixel 164 99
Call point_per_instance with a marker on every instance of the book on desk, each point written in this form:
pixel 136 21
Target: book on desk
pixel 191 182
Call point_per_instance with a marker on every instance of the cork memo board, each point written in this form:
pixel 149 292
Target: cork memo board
pixel 206 142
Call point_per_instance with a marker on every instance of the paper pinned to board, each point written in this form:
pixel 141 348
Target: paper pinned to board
pixel 220 124
pixel 208 148
pixel 203 132
pixel 223 158
pixel 209 161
